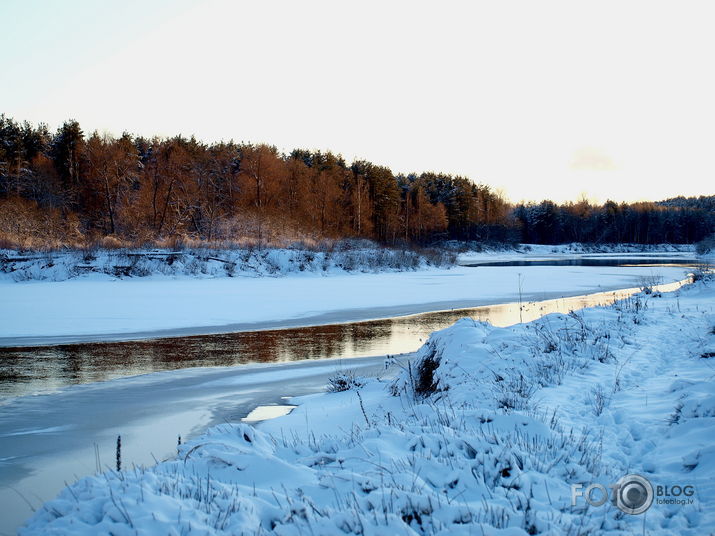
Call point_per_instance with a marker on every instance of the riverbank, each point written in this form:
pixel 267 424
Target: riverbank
pixel 577 251
pixel 339 258
pixel 487 434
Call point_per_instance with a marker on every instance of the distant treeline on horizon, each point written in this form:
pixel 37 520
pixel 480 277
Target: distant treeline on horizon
pixel 67 188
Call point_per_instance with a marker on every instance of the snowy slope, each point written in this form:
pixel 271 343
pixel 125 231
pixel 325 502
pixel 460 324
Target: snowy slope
pixel 485 435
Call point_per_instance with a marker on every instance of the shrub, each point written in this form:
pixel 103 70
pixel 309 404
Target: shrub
pixel 598 399
pixel 26 225
pixel 424 383
pixel 648 283
pixel 702 273
pixel 343 381
pixel 515 392
pixel 111 242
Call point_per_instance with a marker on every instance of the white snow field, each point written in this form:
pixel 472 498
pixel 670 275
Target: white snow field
pixel 97 307
pixel 485 434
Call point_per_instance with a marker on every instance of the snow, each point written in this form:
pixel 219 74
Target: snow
pixel 95 308
pixel 342 257
pixel 484 434
pixel 576 251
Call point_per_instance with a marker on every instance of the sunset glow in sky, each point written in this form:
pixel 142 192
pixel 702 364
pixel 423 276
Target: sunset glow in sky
pixel 540 99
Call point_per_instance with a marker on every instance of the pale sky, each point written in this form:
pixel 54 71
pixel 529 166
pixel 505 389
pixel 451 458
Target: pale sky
pixel 611 99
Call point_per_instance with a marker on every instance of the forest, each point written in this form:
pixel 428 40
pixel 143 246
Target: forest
pixel 68 188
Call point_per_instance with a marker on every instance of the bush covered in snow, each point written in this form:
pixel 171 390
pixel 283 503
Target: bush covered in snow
pixel 343 381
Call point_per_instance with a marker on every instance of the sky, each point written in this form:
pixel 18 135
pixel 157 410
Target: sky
pixel 550 99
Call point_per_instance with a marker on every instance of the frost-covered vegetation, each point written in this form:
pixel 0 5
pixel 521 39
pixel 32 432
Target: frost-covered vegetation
pixel 482 432
pixel 347 256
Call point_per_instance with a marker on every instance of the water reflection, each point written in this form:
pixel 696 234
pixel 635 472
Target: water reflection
pixel 31 370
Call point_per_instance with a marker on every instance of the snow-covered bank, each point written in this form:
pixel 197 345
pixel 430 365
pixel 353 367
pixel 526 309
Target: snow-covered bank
pixel 341 258
pixel 575 251
pixel 486 436
pixel 100 309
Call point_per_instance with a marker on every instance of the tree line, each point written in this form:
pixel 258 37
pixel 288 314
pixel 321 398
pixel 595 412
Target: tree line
pixel 638 223
pixel 66 187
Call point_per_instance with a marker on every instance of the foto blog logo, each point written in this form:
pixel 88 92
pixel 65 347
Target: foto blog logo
pixel 632 494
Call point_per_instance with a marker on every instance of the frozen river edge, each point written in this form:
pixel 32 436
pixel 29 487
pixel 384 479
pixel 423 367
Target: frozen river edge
pixel 90 310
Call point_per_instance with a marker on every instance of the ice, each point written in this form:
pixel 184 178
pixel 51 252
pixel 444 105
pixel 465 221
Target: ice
pixel 95 308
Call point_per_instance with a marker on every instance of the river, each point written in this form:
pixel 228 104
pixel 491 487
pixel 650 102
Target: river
pixel 63 406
